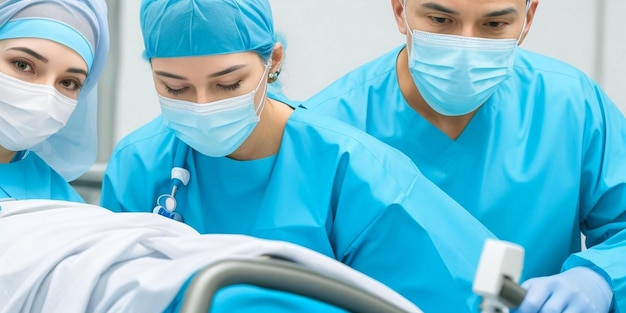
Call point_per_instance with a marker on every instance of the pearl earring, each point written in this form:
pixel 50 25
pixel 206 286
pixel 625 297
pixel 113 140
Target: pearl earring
pixel 272 77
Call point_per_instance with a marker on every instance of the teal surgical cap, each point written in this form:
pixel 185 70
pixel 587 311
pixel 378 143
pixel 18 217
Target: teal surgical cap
pixel 188 28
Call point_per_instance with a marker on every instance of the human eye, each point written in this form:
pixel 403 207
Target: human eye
pixel 175 92
pixel 23 66
pixel 231 87
pixel 495 25
pixel 72 84
pixel 439 20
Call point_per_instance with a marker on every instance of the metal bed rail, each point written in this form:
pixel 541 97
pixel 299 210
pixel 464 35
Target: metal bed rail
pixel 280 275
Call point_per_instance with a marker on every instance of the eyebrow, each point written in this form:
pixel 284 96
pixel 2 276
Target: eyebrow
pixel 77 71
pixel 502 12
pixel 228 70
pixel 216 74
pixel 31 52
pixel 166 74
pixel 438 7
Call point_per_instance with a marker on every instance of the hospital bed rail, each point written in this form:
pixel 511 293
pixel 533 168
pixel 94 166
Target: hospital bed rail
pixel 280 275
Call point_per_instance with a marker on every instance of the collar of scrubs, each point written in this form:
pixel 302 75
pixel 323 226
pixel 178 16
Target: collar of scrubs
pixel 19 156
pixel 4 195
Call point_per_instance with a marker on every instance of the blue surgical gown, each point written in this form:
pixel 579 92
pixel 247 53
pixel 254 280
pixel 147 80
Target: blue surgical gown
pixel 330 188
pixel 31 178
pixel 543 160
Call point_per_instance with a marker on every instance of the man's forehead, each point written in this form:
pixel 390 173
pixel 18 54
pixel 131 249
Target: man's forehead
pixel 459 6
pixel 471 2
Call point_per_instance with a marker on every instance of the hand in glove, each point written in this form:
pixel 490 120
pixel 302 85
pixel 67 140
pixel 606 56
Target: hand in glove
pixel 579 289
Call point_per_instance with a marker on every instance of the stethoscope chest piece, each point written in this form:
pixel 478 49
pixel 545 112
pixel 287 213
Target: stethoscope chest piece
pixel 166 203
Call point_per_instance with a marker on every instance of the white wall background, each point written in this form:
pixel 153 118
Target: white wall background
pixel 326 38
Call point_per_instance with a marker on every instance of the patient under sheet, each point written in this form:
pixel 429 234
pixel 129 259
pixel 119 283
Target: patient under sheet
pixel 56 255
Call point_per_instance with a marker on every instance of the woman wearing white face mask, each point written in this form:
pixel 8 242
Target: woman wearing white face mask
pixel 226 156
pixel 51 55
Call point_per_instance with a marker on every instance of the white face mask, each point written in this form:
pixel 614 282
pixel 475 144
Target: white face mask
pixel 30 113
pixel 217 128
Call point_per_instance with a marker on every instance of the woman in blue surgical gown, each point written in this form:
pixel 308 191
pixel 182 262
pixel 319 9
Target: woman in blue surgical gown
pixel 227 157
pixel 52 54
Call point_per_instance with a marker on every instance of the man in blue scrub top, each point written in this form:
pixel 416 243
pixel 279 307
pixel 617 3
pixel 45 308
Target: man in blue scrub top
pixel 530 146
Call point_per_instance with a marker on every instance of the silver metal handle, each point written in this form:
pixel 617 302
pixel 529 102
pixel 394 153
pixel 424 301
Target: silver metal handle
pixel 280 275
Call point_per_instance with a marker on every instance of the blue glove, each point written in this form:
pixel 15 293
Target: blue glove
pixel 579 289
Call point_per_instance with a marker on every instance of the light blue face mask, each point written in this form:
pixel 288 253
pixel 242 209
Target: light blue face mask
pixel 455 74
pixel 216 128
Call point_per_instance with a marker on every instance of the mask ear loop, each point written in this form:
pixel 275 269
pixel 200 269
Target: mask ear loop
pixel 408 29
pixel 525 20
pixel 406 21
pixel 259 110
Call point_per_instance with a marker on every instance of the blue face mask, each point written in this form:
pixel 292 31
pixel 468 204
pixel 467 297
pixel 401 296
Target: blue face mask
pixel 217 128
pixel 455 74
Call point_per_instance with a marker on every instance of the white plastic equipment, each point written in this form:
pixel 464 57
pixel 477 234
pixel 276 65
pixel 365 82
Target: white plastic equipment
pixel 497 277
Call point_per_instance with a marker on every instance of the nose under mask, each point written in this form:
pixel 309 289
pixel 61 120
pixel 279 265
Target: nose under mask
pixel 217 128
pixel 30 113
pixel 454 74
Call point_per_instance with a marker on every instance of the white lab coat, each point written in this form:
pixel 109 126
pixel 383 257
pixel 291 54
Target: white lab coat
pixel 58 256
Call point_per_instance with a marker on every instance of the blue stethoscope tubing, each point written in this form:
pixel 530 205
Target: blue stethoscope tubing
pixel 166 203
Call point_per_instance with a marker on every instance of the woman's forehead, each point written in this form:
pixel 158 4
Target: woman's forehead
pixel 209 62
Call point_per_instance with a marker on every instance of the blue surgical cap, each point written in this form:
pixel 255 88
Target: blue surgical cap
pixel 188 28
pixel 52 30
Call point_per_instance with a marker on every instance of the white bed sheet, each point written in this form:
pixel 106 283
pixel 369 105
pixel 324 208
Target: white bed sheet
pixel 58 256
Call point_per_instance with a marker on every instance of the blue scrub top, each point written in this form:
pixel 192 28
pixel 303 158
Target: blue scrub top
pixel 31 178
pixel 542 160
pixel 330 188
